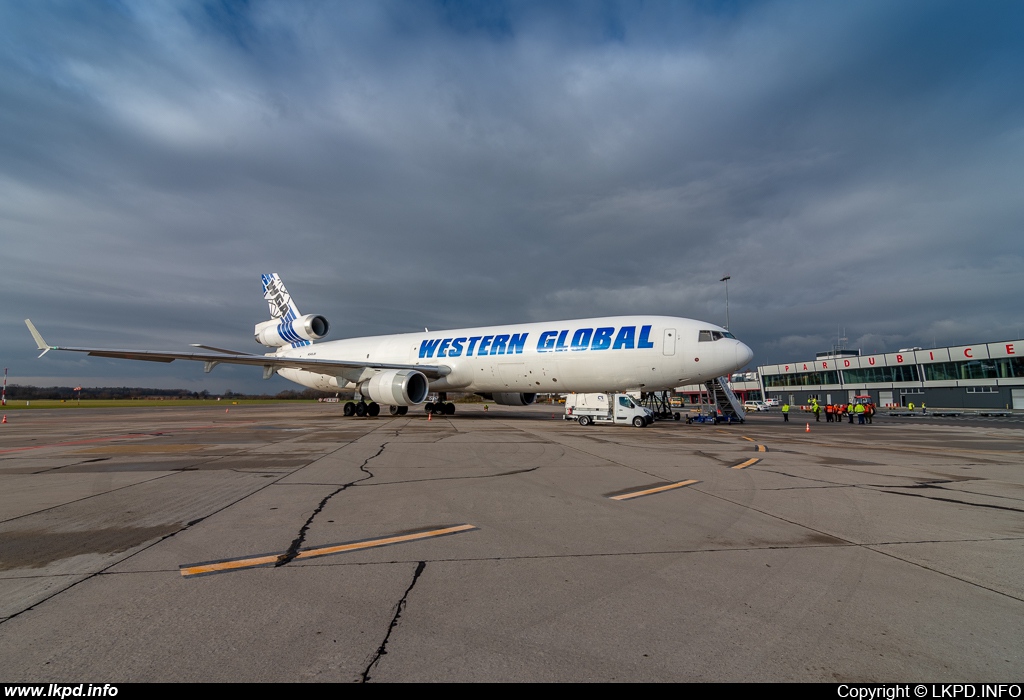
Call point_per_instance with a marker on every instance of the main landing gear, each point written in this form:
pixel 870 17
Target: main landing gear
pixel 362 409
pixel 442 408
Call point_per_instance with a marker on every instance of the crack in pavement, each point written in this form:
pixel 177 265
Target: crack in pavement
pixel 105 571
pixel 525 470
pixel 382 649
pixel 951 500
pixel 293 548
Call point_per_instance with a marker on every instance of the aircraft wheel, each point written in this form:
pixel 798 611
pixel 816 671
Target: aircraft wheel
pixel 639 422
pixel 428 407
pixel 360 409
pixel 677 416
pixel 402 410
pixel 449 409
pixel 373 409
pixel 395 410
pixel 584 421
pixel 349 410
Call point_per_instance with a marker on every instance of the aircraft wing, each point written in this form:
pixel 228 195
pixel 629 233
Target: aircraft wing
pixel 233 357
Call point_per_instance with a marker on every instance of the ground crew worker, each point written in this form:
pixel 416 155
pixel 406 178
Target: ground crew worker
pixel 869 411
pixel 817 412
pixel 911 406
pixel 924 409
pixel 785 412
pixel 828 412
pixel 859 410
pixel 849 412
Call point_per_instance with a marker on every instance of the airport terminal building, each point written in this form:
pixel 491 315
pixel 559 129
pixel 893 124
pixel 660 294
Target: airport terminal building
pixel 983 375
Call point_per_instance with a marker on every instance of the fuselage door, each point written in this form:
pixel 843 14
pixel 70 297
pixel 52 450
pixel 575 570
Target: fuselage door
pixel 668 345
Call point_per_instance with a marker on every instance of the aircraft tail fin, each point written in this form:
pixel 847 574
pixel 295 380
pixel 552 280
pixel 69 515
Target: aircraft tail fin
pixel 280 301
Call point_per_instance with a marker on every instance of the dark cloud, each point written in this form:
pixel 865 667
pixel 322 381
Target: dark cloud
pixel 412 164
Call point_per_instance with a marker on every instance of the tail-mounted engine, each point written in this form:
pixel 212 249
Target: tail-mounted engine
pixel 396 387
pixel 507 399
pixel 279 333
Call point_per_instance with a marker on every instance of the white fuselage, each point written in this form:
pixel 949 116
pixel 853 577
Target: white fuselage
pixel 616 353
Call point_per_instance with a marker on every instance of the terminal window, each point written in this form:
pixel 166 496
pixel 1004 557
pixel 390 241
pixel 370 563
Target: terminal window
pixel 1002 368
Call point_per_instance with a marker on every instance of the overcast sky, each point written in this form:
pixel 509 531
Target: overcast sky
pixel 853 166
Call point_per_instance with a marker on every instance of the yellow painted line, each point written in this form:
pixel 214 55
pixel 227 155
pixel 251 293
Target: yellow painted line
pixel 217 566
pixel 762 448
pixel 213 567
pixel 382 542
pixel 748 463
pixel 657 489
pixel 747 438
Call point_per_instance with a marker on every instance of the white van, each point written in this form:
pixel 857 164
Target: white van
pixel 617 409
pixel 755 406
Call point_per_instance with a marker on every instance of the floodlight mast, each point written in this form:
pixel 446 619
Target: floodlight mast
pixel 726 280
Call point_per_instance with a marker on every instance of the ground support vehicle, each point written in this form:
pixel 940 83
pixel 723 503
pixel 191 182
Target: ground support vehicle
pixel 660 404
pixel 713 417
pixel 611 409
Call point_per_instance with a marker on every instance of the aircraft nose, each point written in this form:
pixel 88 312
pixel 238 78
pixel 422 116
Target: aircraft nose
pixel 743 354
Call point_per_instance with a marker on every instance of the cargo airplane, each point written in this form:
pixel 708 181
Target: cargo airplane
pixel 509 364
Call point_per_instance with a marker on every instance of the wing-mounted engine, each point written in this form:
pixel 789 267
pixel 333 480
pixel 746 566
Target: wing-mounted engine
pixel 277 333
pixel 396 387
pixel 509 399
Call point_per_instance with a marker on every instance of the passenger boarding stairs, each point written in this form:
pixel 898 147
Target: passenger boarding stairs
pixel 728 405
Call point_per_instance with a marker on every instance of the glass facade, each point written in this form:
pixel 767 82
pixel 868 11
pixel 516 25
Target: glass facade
pixel 802 379
pixel 868 375
pixel 1002 368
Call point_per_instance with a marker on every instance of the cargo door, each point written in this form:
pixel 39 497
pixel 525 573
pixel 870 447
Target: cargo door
pixel 668 342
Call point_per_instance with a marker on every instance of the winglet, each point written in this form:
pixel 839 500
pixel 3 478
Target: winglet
pixel 40 343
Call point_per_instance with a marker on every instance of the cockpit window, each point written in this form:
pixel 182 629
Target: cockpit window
pixel 708 336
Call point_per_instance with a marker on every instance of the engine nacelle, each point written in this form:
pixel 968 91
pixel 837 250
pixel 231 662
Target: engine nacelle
pixel 396 387
pixel 508 399
pixel 277 333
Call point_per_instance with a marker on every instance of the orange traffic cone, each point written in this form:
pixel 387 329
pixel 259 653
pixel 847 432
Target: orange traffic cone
pixel 226 410
pixel 430 415
pixel 808 428
pixel 5 419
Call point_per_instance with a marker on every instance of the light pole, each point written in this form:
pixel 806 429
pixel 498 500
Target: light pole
pixel 726 280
